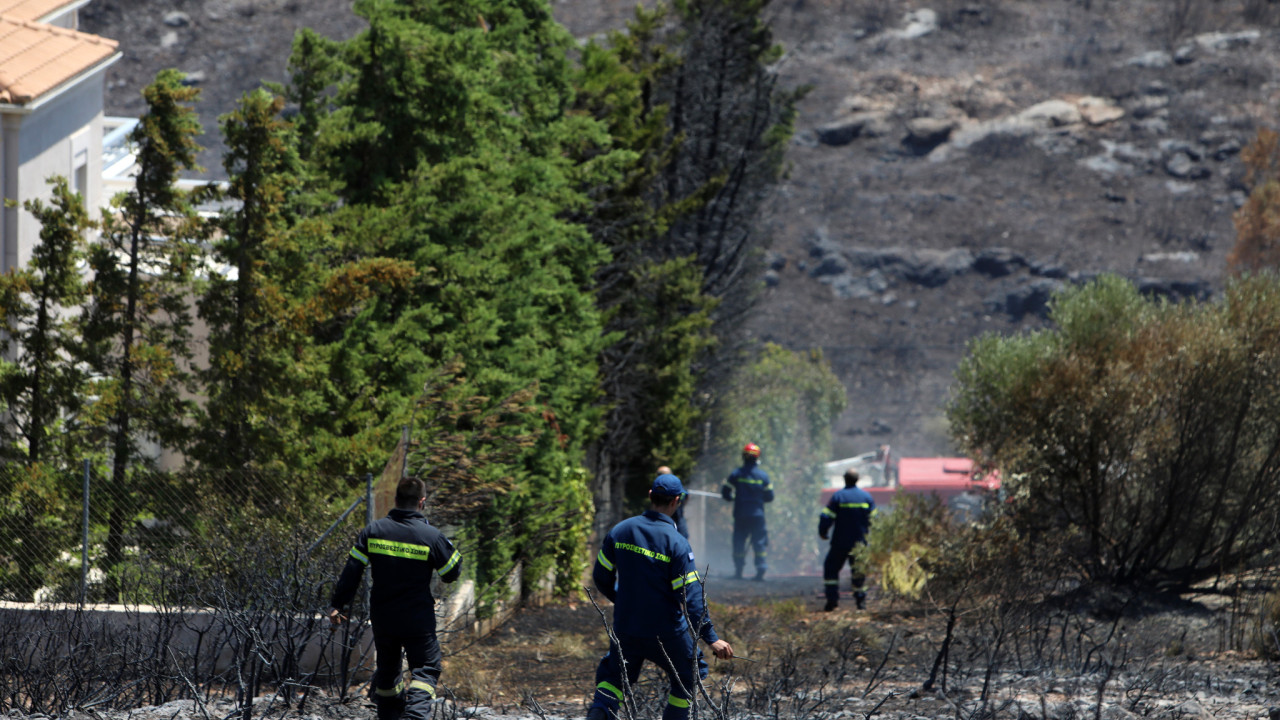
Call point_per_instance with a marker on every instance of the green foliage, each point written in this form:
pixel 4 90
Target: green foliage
pixel 260 363
pixel 1137 431
pixel 137 325
pixel 1265 633
pixel 686 91
pixel 785 402
pixel 449 137
pixel 37 522
pixel 41 389
pixel 904 544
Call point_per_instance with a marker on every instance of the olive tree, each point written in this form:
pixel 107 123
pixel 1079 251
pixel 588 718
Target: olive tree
pixel 1143 434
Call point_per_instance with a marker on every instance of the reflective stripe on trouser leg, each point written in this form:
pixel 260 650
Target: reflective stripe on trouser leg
pixel 423 655
pixel 609 681
pixel 388 680
pixel 832 564
pixel 759 541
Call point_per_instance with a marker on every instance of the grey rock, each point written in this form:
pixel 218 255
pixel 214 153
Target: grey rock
pixel 1184 167
pixel 1107 165
pixel 830 265
pixel 853 126
pixel 926 133
pixel 1172 146
pixel 1148 106
pixel 933 268
pixel 1028 299
pixel 1224 41
pixel 1152 60
pixel 772 278
pixel 916 24
pixel 1152 126
pixel 1226 150
pixel 1048 270
pixel 997 262
pixel 177 18
pixel 820 244
pixel 839 133
pixel 1175 290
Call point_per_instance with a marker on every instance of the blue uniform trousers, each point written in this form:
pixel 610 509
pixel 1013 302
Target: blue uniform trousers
pixel 837 556
pixel 674 653
pixel 390 695
pixel 752 528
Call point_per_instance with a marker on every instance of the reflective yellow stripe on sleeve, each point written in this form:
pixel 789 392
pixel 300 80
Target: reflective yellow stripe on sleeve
pixel 690 577
pixel 677 702
pixel 827 511
pixel 453 562
pixel 604 561
pixel 355 553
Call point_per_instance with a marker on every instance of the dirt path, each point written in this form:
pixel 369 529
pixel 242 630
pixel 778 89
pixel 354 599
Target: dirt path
pixel 551 652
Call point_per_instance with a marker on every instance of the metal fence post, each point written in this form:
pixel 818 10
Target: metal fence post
pixel 368 516
pixel 404 459
pixel 84 539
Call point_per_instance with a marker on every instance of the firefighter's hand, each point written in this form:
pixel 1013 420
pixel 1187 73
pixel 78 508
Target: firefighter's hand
pixel 722 649
pixel 336 617
pixel 726 493
pixel 822 535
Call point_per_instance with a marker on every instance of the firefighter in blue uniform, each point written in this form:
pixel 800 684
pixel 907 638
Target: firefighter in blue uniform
pixel 749 488
pixel 401 551
pixel 850 510
pixel 647 569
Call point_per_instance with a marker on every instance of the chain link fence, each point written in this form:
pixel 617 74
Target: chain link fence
pixel 146 587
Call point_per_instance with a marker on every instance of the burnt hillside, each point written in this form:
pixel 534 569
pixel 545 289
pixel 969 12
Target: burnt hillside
pixel 955 161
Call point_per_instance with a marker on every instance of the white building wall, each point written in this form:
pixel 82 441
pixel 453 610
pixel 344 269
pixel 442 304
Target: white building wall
pixel 59 137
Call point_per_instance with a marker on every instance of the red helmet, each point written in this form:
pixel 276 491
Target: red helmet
pixel 751 449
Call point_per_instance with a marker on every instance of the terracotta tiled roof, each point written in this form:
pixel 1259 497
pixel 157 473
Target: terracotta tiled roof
pixel 31 9
pixel 36 58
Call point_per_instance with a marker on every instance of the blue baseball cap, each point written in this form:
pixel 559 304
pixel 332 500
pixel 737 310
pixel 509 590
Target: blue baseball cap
pixel 668 485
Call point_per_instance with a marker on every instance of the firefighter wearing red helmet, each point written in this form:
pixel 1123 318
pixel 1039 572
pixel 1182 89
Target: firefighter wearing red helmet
pixel 749 488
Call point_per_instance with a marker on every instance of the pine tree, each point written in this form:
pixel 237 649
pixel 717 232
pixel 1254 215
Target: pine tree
pixel 247 420
pixel 44 384
pixel 696 104
pixel 455 152
pixel 137 324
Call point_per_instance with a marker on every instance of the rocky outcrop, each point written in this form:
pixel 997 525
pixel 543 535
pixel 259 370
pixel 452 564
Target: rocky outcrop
pixel 1022 286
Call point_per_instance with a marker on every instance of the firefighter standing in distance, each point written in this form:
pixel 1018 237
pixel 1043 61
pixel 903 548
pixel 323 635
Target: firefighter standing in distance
pixel 647 569
pixel 850 510
pixel 401 551
pixel 749 488
pixel 681 526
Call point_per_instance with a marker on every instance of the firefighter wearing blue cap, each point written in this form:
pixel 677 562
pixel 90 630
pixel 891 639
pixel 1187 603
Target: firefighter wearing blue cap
pixel 647 569
pixel 749 488
pixel 850 511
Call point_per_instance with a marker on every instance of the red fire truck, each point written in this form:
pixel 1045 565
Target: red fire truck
pixel 953 480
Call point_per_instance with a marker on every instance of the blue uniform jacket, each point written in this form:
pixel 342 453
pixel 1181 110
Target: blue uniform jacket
pixel 401 550
pixel 750 488
pixel 851 510
pixel 647 569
